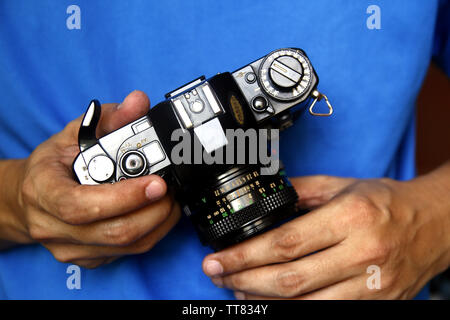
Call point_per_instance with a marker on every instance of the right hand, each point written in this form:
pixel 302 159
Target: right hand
pixel 92 225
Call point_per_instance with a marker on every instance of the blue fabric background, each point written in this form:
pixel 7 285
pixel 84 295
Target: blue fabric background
pixel 48 74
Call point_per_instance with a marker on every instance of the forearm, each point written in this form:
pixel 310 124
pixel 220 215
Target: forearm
pixel 432 193
pixel 12 226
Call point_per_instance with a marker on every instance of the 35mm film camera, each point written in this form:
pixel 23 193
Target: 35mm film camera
pixel 227 203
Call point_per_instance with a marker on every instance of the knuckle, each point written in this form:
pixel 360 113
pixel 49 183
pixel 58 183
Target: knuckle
pixel 289 283
pixel 377 252
pixel 145 244
pixel 237 281
pixel 70 209
pixel 38 232
pixel 120 233
pixel 381 251
pixel 360 208
pixel 68 213
pixel 95 211
pixel 143 247
pixel 91 264
pixel 78 193
pixel 27 191
pixel 359 202
pixel 63 256
pixel 237 259
pixel 286 244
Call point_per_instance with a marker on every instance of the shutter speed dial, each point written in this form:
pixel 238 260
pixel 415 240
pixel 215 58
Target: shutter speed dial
pixel 285 74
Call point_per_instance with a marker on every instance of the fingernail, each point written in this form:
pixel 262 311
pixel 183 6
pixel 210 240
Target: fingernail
pixel 218 281
pixel 239 295
pixel 213 268
pixel 119 106
pixel 154 190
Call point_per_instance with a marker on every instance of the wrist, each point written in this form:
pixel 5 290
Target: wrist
pixel 430 197
pixel 13 228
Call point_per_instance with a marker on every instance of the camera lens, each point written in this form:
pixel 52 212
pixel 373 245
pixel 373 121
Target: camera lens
pixel 241 204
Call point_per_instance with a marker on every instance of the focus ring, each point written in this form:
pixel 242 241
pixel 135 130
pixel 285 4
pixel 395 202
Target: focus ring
pixel 260 209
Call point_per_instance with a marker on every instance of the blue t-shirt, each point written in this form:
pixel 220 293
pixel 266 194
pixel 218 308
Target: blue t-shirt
pixel 48 74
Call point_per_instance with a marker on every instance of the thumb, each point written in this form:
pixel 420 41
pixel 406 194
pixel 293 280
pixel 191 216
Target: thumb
pixel 114 116
pixel 314 191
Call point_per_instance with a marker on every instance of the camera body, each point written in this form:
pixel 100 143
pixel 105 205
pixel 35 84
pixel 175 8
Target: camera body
pixel 227 202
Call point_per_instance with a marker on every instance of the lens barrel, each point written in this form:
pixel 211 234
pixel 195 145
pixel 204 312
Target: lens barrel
pixel 241 204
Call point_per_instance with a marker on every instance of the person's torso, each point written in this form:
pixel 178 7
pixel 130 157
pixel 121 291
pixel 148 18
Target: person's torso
pixel 49 73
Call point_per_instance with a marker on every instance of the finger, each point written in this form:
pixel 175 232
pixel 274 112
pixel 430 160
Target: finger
pixel 61 196
pixel 350 289
pixel 314 191
pixel 114 116
pixel 90 263
pixel 295 278
pixel 118 231
pixel 67 252
pixel 93 263
pixel 311 232
pixel 248 296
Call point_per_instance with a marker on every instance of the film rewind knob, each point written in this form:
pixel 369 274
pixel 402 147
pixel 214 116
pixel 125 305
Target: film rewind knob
pixel 285 72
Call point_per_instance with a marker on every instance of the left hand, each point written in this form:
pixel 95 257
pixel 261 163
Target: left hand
pixel 325 254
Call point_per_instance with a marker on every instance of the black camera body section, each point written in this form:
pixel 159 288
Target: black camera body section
pixel 225 89
pixel 226 202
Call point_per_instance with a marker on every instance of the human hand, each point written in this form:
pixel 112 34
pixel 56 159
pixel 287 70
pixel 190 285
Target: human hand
pixel 92 225
pixel 401 227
